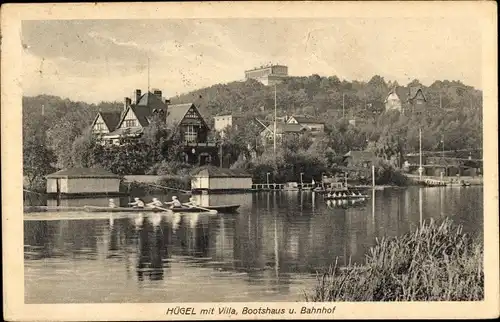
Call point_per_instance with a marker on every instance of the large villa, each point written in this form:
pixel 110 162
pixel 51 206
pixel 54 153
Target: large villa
pixel 130 122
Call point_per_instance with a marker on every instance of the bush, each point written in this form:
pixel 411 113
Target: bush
pixel 387 174
pixel 434 263
pixel 169 168
pixel 182 182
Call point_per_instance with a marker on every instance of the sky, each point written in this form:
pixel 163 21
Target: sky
pixel 106 60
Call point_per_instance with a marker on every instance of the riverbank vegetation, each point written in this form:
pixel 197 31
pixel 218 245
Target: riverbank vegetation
pixel 55 130
pixel 437 262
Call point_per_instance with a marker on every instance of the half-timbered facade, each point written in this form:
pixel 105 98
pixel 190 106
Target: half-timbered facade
pixel 184 119
pixel 406 100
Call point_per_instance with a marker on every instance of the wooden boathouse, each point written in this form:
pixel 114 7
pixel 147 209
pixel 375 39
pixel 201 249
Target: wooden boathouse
pixel 213 179
pixel 83 182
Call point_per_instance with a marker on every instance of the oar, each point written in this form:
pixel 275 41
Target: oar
pixel 211 211
pixel 164 209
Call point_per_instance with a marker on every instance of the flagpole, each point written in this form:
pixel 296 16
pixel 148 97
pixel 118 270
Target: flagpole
pixel 420 152
pixel 275 115
pixel 148 74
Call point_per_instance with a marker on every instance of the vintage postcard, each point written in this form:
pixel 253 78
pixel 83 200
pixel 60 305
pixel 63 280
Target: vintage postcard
pixel 249 160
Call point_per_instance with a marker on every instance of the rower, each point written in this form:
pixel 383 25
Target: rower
pixel 155 203
pixel 191 203
pixel 112 203
pixel 175 203
pixel 138 203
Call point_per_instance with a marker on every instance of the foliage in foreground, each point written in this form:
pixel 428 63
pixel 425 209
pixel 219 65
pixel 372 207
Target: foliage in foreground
pixel 434 263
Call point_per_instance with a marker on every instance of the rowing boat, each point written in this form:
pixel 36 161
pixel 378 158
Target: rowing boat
pixel 346 197
pixel 222 209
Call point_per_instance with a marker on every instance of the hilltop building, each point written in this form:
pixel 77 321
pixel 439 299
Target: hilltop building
pixel 405 100
pixel 268 75
pixel 184 119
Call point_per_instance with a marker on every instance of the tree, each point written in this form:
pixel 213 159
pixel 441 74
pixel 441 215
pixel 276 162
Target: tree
pixel 37 159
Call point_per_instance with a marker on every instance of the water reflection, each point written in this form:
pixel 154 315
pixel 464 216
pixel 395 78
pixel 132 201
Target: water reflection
pixel 270 244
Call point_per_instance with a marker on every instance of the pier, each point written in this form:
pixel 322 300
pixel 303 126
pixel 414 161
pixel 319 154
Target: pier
pixel 280 186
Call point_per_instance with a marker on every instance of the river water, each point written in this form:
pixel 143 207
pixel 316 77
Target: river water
pixel 269 251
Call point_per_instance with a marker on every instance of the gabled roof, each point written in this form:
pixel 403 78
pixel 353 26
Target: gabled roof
pixel 288 128
pixel 142 113
pixel 177 112
pixel 306 119
pixel 111 119
pixel 215 172
pixel 83 173
pixel 401 92
pixel 152 101
pixel 413 91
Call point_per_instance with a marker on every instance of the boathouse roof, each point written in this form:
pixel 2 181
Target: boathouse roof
pixel 215 172
pixel 82 173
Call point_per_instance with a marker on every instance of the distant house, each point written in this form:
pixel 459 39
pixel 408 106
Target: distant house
pixel 402 99
pixel 359 159
pixel 283 130
pixel 289 126
pixel 83 181
pixel 222 122
pixel 183 119
pixel 310 123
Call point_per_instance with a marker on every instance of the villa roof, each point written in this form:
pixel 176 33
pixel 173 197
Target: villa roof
pixel 176 113
pixel 110 118
pixel 152 101
pixel 142 113
pixel 82 173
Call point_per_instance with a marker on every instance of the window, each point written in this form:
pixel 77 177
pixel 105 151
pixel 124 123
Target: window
pixel 190 134
pixel 99 127
pixel 130 123
pixel 191 114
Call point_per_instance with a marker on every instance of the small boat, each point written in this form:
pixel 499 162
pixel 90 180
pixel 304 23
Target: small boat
pixel 465 184
pixel 344 196
pixel 291 186
pixel 222 209
pixel 434 183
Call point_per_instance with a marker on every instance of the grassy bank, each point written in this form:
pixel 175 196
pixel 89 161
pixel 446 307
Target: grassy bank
pixel 437 262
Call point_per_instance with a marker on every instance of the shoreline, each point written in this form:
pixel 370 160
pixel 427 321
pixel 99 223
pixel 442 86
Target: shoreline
pixel 393 269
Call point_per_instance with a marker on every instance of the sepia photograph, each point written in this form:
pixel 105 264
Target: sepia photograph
pixel 252 160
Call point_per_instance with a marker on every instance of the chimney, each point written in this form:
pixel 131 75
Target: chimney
pixel 157 93
pixel 137 95
pixel 126 103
